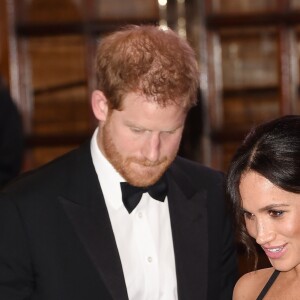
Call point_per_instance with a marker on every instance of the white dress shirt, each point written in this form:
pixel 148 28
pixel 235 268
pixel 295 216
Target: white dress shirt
pixel 144 237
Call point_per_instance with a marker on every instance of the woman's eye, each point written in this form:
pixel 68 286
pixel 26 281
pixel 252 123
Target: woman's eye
pixel 276 213
pixel 248 215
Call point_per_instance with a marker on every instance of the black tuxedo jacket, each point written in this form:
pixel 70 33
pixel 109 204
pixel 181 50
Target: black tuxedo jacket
pixel 11 137
pixel 57 243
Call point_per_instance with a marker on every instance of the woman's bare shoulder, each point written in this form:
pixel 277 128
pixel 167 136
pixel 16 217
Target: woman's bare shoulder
pixel 250 285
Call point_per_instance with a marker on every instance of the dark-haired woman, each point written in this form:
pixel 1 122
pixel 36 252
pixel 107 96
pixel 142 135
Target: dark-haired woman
pixel 263 184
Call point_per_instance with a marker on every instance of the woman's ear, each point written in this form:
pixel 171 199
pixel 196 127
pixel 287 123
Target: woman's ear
pixel 99 105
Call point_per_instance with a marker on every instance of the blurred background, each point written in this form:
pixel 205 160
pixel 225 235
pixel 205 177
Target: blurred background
pixel 248 52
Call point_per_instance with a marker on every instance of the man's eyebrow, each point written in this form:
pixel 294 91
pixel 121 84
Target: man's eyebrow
pixel 130 124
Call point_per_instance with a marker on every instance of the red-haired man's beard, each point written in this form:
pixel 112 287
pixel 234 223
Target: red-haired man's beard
pixel 136 171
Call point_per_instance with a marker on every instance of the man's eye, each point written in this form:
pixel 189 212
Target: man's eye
pixel 136 130
pixel 276 213
pixel 170 132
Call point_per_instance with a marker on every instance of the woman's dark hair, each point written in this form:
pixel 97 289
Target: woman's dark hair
pixel 271 149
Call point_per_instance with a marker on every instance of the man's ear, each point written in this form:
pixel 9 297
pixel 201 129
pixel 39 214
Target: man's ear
pixel 99 105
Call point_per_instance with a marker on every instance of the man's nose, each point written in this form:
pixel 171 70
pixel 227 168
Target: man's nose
pixel 151 147
pixel 265 233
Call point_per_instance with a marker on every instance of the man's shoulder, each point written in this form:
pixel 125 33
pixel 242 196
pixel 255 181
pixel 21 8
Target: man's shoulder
pixel 51 175
pixel 192 176
pixel 196 171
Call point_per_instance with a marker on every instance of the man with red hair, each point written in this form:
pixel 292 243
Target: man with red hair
pixel 123 217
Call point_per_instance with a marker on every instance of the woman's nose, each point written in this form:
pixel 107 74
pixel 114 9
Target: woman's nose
pixel 265 233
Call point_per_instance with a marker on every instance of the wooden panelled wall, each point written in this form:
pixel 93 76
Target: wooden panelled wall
pixel 51 63
pixel 4 53
pixel 248 54
pixel 252 68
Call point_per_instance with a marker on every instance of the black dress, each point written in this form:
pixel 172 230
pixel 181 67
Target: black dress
pixel 268 285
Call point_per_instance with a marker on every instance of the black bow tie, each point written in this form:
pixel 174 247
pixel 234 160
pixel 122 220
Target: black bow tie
pixel 132 195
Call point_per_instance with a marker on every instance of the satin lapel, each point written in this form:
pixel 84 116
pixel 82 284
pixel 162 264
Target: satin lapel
pixel 86 209
pixel 188 213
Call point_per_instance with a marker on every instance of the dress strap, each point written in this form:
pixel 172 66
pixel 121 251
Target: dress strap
pixel 268 285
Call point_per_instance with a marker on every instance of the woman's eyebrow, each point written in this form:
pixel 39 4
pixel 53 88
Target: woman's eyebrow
pixel 272 206
pixel 267 207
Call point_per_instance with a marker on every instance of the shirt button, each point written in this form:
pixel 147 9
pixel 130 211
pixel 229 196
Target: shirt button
pixel 140 215
pixel 149 259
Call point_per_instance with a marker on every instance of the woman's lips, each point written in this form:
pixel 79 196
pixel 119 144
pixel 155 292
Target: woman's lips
pixel 275 252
